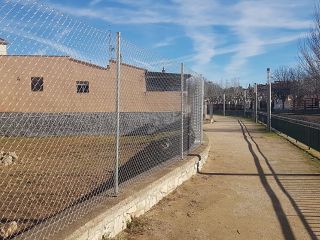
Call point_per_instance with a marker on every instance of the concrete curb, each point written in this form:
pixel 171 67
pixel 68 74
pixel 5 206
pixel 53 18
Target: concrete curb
pixel 112 221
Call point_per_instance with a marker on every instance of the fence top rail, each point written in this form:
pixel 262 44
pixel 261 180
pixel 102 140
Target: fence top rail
pixel 292 120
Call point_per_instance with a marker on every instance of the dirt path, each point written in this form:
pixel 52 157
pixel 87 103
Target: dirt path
pixel 255 185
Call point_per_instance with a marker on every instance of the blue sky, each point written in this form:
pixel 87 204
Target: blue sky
pixel 220 39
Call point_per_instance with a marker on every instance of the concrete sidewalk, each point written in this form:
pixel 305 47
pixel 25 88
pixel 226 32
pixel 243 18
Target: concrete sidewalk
pixel 256 185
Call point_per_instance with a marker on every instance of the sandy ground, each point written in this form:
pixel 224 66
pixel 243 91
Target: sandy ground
pixel 54 174
pixel 255 185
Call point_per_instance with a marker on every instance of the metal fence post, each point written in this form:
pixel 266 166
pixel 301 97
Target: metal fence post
pixel 269 100
pixel 202 109
pixel 182 99
pixel 118 70
pixel 224 104
pixel 256 102
pixel 244 102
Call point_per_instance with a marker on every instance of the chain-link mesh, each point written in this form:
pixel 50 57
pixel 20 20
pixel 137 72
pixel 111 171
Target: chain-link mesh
pixel 58 117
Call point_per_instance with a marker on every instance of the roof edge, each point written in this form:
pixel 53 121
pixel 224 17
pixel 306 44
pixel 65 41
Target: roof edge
pixel 128 65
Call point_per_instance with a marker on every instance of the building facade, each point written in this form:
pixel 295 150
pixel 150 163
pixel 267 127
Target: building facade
pixel 59 95
pixel 57 84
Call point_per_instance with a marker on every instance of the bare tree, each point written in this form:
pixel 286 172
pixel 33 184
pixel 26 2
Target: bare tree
pixel 213 91
pixel 284 77
pixel 284 74
pixel 290 82
pixel 310 56
pixel 299 88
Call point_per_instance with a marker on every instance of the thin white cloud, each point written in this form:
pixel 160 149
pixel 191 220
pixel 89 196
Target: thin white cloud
pixel 269 14
pixel 257 31
pixel 194 17
pixel 21 35
pixel 165 42
pixel 149 14
pixel 272 41
pixel 204 45
pixel 94 2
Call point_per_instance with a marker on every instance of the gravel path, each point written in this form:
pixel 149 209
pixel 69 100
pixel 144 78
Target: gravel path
pixel 255 185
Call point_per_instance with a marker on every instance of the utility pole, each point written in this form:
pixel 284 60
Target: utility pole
pixel 269 100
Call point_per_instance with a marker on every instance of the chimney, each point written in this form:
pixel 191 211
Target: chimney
pixel 163 70
pixel 3 47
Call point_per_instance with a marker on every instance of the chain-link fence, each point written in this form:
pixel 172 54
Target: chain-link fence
pixel 82 113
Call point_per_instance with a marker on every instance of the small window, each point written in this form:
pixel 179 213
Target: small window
pixel 37 84
pixel 82 87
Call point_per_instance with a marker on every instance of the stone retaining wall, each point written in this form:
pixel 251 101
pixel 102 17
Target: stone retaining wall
pixel 94 123
pixel 114 220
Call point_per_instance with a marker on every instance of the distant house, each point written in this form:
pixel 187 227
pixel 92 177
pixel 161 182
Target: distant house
pixel 283 99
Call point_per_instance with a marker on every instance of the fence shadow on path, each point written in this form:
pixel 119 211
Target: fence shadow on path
pixel 282 218
pixel 302 190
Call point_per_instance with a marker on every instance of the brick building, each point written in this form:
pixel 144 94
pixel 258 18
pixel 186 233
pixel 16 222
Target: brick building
pixel 60 95
pixel 63 84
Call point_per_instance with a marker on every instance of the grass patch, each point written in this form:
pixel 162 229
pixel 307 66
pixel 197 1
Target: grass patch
pixel 136 226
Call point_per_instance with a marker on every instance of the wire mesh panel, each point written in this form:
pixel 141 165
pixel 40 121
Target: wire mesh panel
pixel 57 128
pixel 152 118
pixel 194 94
pixel 58 117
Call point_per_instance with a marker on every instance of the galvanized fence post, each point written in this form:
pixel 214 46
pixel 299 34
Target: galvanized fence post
pixel 244 102
pixel 269 100
pixel 256 102
pixel 224 104
pixel 202 109
pixel 118 71
pixel 182 105
pixel 309 137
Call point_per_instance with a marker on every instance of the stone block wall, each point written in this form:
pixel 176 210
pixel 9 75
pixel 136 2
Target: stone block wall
pixel 115 219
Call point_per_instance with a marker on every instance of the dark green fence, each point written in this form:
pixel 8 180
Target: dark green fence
pixel 304 132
